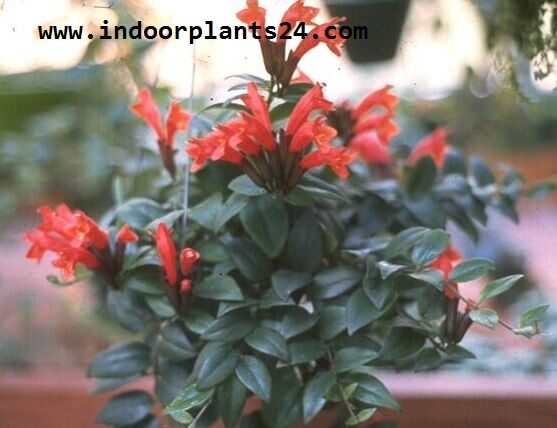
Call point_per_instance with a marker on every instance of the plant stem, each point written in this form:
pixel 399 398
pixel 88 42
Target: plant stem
pixel 339 386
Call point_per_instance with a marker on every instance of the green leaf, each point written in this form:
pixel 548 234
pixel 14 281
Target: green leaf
pixel 542 190
pixel 269 342
pixel 255 376
pixel 215 363
pixel 360 311
pixel 378 291
pixel 321 189
pixel 335 281
pixel 168 219
pixel 306 351
pixel 270 299
pixel 219 287
pixel 305 244
pixel 353 357
pixel 145 280
pixel 429 247
pixel 245 186
pixel 371 390
pixel 402 342
pixel 470 270
pixel 284 282
pixel 126 409
pixel 485 317
pixel 121 361
pixel 127 308
pixel 198 321
pixel 362 416
pixel 233 205
pixel 428 359
pixel 314 392
pixel 249 259
pixel 189 398
pixel 212 251
pixel 420 179
pixel 231 327
pixel 265 219
pixel 285 406
pixel 139 212
pixel 332 321
pixel 404 241
pixel 174 344
pixel 499 286
pixel 297 321
pixel 427 210
pixel 231 397
pixel 532 315
pixel 482 173
pixel 160 306
pixel 207 212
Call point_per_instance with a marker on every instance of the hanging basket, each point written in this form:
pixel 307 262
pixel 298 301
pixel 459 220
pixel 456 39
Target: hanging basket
pixel 384 20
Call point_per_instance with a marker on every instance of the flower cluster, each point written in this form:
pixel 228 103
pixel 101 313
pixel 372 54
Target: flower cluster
pixel 76 239
pixel 177 120
pixel 169 258
pixel 274 160
pixel 278 65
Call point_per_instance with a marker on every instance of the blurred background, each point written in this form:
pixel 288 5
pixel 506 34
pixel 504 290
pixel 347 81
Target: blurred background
pixel 484 68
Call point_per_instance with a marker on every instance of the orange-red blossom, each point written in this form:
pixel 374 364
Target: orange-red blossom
pixel 274 160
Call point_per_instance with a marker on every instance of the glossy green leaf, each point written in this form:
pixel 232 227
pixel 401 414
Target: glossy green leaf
pixel 499 286
pixel 215 363
pixel 146 280
pixel 265 219
pixel 306 351
pixel 121 361
pixel 314 392
pixel 429 247
pixel 470 270
pixel 139 212
pixel 219 287
pixel 485 317
pixel 284 282
pixel 269 342
pixel 419 179
pixel 198 321
pixel 249 259
pixel 428 359
pixel 332 321
pixel 335 281
pixel 245 186
pixel 352 357
pixel 233 205
pixel 404 241
pixel 371 390
pixel 305 244
pixel 297 321
pixel 189 398
pixel 229 328
pixel 174 344
pixel 361 417
pixel 231 397
pixel 207 212
pixel 532 315
pixel 126 409
pixel 360 311
pixel 402 342
pixel 255 376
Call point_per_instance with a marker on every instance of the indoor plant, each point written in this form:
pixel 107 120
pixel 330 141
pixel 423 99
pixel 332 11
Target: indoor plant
pixel 312 254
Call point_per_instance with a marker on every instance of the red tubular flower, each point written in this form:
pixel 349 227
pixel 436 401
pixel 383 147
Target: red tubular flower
pixel 381 98
pixel 337 158
pixel 167 253
pixel 445 263
pixel 318 35
pixel 177 119
pixel 298 12
pixel 127 235
pixel 259 108
pixel 185 286
pixel 434 145
pixel 252 14
pixel 383 125
pixel 370 148
pixel 188 258
pixel 73 236
pixel 316 131
pixel 311 101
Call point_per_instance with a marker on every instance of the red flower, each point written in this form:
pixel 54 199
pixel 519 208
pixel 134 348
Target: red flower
pixel 176 120
pixel 370 148
pixel 318 35
pixel 168 256
pixel 252 14
pixel 337 158
pixel 188 258
pixel 377 99
pixel 434 145
pixel 73 236
pixel 167 253
pixel 127 235
pixel 297 12
pixel 317 131
pixel 257 105
pixel 311 101
pixel 382 125
pixel 445 263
